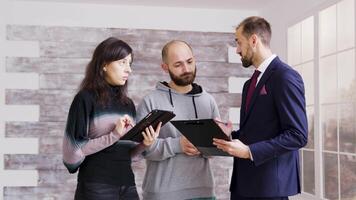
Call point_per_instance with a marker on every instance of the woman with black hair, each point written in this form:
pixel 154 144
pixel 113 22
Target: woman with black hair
pixel 100 114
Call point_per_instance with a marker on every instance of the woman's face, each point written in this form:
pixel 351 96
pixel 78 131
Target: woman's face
pixel 117 72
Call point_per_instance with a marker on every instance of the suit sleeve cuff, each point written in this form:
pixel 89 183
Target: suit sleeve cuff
pixel 249 151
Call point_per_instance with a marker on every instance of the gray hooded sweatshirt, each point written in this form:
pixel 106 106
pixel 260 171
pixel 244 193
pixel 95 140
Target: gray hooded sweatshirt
pixel 170 173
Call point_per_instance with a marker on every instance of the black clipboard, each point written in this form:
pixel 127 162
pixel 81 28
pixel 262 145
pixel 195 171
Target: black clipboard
pixel 153 118
pixel 200 133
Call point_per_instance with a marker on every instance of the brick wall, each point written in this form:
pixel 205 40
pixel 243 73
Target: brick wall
pixel 63 55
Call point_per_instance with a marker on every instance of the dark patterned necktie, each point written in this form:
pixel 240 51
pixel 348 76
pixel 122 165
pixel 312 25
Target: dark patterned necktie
pixel 251 88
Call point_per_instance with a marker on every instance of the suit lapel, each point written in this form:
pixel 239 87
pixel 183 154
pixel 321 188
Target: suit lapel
pixel 243 100
pixel 266 75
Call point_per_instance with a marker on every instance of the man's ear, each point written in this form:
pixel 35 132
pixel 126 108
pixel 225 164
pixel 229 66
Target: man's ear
pixel 254 39
pixel 164 66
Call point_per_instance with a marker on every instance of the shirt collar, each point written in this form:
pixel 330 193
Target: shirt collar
pixel 263 66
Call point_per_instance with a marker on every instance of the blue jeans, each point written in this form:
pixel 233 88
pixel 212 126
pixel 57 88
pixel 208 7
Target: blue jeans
pixel 102 191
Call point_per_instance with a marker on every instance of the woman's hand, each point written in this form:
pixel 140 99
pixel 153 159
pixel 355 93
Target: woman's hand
pixel 151 135
pixel 123 125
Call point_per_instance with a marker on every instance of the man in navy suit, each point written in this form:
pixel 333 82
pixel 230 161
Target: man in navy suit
pixel 273 123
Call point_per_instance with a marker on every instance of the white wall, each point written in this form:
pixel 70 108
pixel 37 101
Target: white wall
pixel 116 16
pixel 284 14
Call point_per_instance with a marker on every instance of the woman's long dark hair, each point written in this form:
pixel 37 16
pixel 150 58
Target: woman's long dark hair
pixel 107 51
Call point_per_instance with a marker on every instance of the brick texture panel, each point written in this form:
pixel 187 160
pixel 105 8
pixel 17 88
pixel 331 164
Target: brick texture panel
pixel 34 129
pixel 140 66
pixel 64 54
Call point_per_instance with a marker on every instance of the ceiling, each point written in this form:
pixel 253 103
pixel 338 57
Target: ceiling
pixel 207 4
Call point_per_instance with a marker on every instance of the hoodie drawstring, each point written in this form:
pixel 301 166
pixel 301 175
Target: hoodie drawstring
pixel 171 100
pixel 195 108
pixel 170 96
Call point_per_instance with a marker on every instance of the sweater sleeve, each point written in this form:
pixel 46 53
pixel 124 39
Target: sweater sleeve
pixel 76 142
pixel 97 144
pixel 163 148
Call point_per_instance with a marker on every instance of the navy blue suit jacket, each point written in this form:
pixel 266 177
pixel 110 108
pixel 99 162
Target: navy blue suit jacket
pixel 274 127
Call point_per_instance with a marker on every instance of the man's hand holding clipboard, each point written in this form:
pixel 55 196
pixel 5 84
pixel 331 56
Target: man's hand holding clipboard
pixel 234 147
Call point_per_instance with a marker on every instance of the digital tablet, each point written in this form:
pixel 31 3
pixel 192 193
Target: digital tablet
pixel 200 133
pixel 153 118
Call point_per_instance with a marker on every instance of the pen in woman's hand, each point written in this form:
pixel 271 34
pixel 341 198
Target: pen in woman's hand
pixel 127 123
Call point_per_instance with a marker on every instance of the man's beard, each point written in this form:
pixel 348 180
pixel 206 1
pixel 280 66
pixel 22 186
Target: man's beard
pixel 184 79
pixel 247 60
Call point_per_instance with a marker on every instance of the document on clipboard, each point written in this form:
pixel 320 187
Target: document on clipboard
pixel 153 118
pixel 200 133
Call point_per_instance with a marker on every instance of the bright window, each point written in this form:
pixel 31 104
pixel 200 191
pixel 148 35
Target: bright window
pixel 326 61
